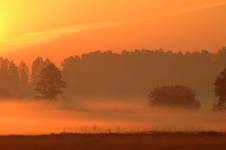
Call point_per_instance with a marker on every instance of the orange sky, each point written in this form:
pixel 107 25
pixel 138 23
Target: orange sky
pixel 57 28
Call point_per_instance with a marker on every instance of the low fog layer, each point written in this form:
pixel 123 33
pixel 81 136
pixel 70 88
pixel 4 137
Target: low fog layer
pixel 128 74
pixel 43 117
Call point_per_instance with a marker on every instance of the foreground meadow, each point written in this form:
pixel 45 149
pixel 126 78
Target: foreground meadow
pixel 142 141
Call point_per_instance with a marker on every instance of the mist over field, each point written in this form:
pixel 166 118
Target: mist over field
pixel 112 75
pixel 132 91
pixel 91 116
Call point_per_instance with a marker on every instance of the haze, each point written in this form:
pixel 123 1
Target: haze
pixel 95 116
pixel 95 65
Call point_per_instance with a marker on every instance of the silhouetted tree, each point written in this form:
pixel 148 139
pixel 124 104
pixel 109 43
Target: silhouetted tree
pixel 220 90
pixel 23 74
pixel 25 89
pixel 9 77
pixel 174 96
pixel 4 73
pixel 13 76
pixel 50 84
pixel 37 66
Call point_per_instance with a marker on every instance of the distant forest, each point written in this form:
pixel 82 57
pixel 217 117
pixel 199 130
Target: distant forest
pixel 126 74
pixel 135 73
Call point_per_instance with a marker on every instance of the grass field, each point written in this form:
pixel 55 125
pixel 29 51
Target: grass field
pixel 144 141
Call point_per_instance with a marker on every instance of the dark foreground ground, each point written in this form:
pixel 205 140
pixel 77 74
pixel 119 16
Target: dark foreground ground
pixel 154 141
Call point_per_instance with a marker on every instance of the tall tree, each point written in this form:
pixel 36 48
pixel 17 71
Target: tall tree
pixel 38 65
pixel 4 78
pixel 23 74
pixel 36 69
pixel 50 84
pixel 13 75
pixel 4 72
pixel 220 90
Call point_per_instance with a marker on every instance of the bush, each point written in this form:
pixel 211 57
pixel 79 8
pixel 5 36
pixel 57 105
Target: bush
pixel 174 96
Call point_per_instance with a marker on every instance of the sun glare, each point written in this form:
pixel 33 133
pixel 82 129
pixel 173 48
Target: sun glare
pixel 2 26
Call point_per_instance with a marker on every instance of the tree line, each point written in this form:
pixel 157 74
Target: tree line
pixel 125 74
pixel 14 79
pixel 18 82
pixel 134 73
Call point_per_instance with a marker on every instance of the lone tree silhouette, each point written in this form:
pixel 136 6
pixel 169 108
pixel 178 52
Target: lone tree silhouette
pixel 220 90
pixel 50 84
pixel 174 96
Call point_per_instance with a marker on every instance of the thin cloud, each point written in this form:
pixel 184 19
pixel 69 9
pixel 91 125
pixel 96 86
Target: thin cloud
pixel 42 36
pixel 205 6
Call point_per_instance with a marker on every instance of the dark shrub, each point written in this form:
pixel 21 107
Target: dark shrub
pixel 174 96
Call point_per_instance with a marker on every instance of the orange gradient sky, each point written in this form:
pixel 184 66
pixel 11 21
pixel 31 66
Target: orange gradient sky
pixel 57 28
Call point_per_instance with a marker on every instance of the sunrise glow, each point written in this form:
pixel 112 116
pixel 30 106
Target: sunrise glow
pixel 36 25
pixel 112 74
